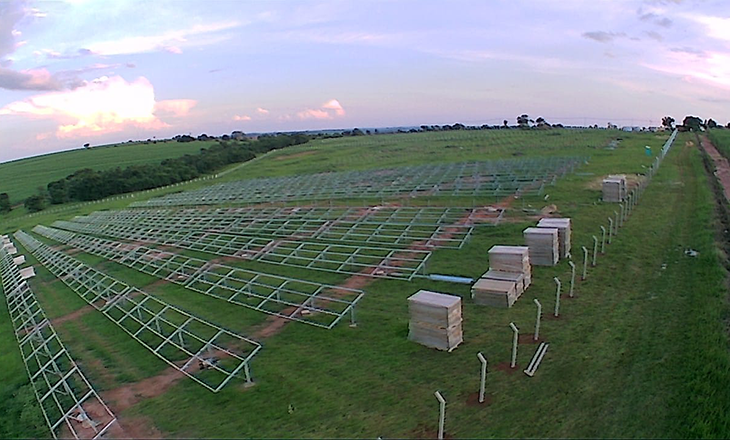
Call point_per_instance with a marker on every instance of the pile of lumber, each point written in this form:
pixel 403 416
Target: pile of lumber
pixel 435 320
pixel 543 245
pixel 563 225
pixel 509 275
pixel 614 188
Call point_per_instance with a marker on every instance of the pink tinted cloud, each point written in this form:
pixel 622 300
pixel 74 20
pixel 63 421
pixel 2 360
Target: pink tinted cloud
pixel 170 41
pixel 104 105
pixel 334 104
pixel 314 114
pixel 242 118
pixel 262 111
pixel 713 68
pixel 329 110
pixel 175 107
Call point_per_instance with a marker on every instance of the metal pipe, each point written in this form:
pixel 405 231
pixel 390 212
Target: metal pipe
pixel 595 250
pixel 603 239
pixel 557 296
pixel 537 321
pixel 442 413
pixel 572 277
pixel 514 344
pixel 585 262
pixel 483 383
pixel 610 229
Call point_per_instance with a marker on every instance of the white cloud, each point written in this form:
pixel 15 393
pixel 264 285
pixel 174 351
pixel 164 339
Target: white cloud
pixel 335 105
pixel 262 111
pixel 242 118
pixel 104 105
pixel 716 27
pixel 170 41
pixel 329 110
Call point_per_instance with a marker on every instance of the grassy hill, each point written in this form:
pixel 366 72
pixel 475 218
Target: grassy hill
pixel 21 178
pixel 641 351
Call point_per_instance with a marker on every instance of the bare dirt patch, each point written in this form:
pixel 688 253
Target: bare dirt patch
pixel 473 399
pixel 129 395
pixel 722 166
pixel 505 366
pixel 529 339
pixel 72 316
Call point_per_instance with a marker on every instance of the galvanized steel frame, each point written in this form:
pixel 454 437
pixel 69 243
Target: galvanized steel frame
pixel 170 333
pixel 486 178
pixel 312 303
pixel 354 260
pixel 64 394
pixel 378 226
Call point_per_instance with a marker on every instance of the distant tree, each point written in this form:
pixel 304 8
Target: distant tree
pixel 692 123
pixel 35 203
pixel 184 138
pixel 523 121
pixel 505 123
pixel 458 126
pixel 542 123
pixel 5 203
pixel 58 192
pixel 87 145
pixel 357 132
pixel 668 122
pixel 710 123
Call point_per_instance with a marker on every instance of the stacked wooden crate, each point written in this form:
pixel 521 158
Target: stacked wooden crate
pixel 435 320
pixel 614 188
pixel 509 275
pixel 543 245
pixel 563 225
pixel 495 293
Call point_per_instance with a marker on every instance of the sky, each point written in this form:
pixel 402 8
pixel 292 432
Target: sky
pixel 90 71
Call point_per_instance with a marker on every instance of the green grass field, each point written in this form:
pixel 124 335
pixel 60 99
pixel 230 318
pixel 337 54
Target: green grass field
pixel 641 351
pixel 21 178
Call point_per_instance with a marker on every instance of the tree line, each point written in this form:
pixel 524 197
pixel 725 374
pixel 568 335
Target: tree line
pixel 87 184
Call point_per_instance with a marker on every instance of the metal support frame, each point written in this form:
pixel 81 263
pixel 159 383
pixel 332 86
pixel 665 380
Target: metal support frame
pixel 375 226
pixel 483 381
pixel 442 413
pixel 610 229
pixel 169 332
pixel 64 394
pixel 354 260
pixel 557 296
pixel 313 303
pixel 595 250
pixel 465 179
pixel 572 278
pixel 537 319
pixel 515 338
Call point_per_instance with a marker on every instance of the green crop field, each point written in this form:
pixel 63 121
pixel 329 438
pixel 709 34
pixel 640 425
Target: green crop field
pixel 640 351
pixel 21 178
